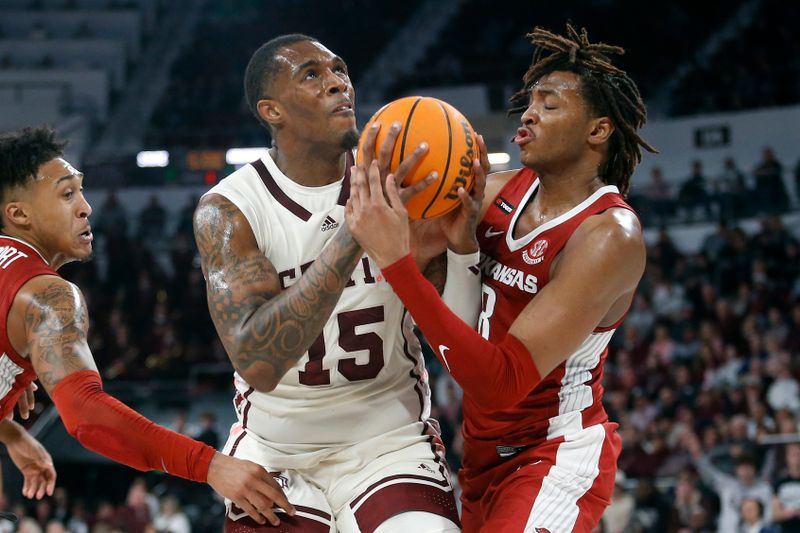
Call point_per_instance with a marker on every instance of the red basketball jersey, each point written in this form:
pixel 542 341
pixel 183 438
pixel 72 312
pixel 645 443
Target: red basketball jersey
pixel 19 262
pixel 514 270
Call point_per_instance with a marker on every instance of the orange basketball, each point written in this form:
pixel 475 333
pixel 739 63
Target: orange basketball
pixel 452 147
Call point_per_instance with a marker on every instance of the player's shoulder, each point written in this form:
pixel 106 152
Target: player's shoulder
pixel 614 226
pixel 497 180
pixel 494 184
pixel 612 237
pixel 51 289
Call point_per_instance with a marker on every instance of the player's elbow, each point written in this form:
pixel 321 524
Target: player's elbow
pixel 260 381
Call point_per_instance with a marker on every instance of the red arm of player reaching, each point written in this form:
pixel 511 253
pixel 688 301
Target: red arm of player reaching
pixel 600 266
pixel 56 325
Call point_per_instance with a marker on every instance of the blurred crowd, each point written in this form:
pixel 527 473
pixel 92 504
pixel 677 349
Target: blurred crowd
pixel 729 194
pixel 702 378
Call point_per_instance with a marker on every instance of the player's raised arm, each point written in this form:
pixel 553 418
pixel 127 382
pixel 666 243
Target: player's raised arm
pixel 265 330
pixel 55 322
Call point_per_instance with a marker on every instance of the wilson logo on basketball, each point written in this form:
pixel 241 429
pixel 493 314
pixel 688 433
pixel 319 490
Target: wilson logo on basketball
pixel 535 254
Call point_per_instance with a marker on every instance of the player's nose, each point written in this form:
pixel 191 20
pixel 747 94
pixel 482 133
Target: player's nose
pixel 530 116
pixel 334 84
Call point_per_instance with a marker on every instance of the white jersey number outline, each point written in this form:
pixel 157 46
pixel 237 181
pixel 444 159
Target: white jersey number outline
pixel 488 300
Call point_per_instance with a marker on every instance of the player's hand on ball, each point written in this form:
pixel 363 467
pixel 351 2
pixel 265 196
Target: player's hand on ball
pixel 385 158
pixel 379 223
pixel 249 486
pixel 460 226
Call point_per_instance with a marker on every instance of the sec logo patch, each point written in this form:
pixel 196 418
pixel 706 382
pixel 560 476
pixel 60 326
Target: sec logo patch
pixel 535 254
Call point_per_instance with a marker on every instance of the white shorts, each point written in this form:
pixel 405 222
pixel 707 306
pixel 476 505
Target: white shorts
pixel 379 485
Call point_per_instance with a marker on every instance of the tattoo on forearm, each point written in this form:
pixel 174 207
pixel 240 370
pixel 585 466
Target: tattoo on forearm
pixel 57 323
pixel 436 272
pixel 278 333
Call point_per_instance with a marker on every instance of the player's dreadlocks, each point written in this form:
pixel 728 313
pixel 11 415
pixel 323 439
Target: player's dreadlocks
pixel 608 91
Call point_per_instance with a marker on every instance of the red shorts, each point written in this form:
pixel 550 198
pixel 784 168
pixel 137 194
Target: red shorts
pixel 562 485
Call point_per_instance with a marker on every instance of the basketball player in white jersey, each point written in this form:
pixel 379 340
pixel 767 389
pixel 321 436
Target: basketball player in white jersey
pixel 332 394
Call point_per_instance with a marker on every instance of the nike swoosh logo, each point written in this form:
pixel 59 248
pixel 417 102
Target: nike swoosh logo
pixel 442 349
pixel 490 233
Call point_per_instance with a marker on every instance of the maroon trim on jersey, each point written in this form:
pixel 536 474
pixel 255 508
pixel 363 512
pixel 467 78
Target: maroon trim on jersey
pixel 289 524
pixel 417 378
pixel 402 498
pixel 274 189
pixel 246 411
pixel 315 512
pixel 236 443
pixel 345 192
pixel 441 483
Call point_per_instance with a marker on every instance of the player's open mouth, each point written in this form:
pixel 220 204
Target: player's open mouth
pixel 87 236
pixel 343 109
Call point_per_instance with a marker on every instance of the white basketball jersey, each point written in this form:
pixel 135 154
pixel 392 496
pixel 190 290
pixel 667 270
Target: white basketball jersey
pixel 365 375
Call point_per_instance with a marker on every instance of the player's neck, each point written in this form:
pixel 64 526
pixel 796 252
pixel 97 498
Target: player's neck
pixel 31 240
pixel 307 166
pixel 567 188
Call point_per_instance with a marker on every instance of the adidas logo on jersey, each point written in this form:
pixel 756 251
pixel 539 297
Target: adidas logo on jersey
pixel 329 223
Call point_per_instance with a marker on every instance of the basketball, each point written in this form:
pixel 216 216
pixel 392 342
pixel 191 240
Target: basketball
pixel 452 147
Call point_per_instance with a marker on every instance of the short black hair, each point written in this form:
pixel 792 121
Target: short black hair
pixel 22 153
pixel 262 67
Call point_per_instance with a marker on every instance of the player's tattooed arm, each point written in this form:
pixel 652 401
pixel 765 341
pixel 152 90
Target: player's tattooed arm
pixel 56 326
pixel 264 329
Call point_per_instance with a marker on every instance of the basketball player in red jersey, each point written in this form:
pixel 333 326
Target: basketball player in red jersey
pixel 44 325
pixel 562 254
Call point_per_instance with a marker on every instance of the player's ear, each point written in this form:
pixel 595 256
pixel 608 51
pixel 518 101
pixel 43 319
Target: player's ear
pixel 270 111
pixel 17 213
pixel 600 130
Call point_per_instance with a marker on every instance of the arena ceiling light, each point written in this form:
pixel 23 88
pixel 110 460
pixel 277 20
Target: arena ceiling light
pixel 499 158
pixel 152 158
pixel 242 156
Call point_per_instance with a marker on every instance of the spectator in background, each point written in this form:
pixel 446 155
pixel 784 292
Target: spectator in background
pixel 208 433
pixel 730 190
pixel 660 197
pixel 752 518
pixel 784 392
pixel 171 519
pixel 140 506
pixel 732 490
pixel 770 190
pixel 152 220
pixel 112 219
pixel 651 513
pixel 689 505
pixel 186 220
pixel 693 193
pixel 786 503
pixel 617 516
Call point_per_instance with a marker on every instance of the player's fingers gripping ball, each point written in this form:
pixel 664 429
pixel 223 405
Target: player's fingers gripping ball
pixel 452 147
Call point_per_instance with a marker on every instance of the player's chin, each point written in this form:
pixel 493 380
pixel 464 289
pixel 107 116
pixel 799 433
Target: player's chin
pixel 83 253
pixel 349 139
